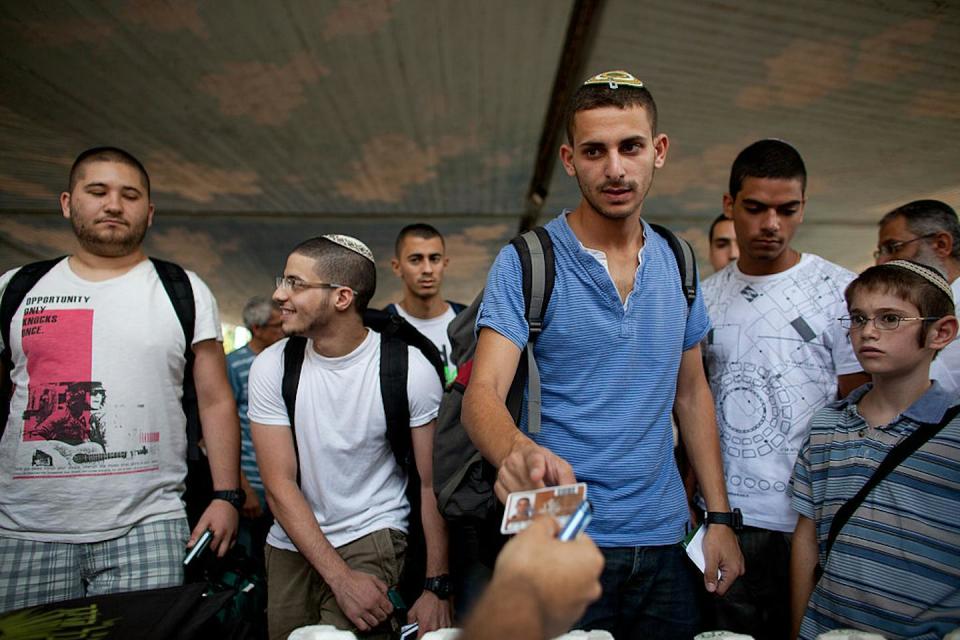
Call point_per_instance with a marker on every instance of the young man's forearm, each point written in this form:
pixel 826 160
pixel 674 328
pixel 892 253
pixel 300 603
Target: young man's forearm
pixel 489 424
pixel 218 414
pixel 434 533
pixel 485 415
pixel 697 423
pixel 221 437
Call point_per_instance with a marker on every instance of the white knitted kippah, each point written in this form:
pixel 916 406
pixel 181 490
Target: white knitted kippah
pixel 930 274
pixel 349 242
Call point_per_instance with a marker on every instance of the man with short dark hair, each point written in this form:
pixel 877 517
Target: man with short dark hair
pixel 723 242
pixel 337 491
pixel 927 231
pixel 420 261
pixel 619 350
pixel 775 355
pixel 262 318
pixel 97 509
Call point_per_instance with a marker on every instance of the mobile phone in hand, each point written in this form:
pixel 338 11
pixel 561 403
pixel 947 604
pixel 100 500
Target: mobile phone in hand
pixel 198 548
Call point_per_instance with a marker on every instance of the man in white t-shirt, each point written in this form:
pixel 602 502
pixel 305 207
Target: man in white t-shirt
pixel 927 231
pixel 419 261
pixel 93 453
pixel 775 355
pixel 336 491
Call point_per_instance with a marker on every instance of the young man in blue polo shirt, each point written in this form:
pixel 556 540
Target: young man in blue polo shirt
pixel 618 352
pixel 894 568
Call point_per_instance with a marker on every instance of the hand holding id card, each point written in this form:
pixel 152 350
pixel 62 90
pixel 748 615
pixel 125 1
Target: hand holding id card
pixel 560 502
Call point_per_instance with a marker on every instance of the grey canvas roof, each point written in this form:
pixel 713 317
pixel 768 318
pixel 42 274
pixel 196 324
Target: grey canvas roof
pixel 265 123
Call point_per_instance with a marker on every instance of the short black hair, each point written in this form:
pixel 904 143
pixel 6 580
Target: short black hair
pixel 770 158
pixel 925 217
pixel 595 96
pixel 417 230
pixel 344 266
pixel 106 154
pixel 713 225
pixel 888 278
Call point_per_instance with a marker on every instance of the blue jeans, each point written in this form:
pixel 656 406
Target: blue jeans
pixel 648 593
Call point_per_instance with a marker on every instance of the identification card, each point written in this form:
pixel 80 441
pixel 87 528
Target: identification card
pixel 560 502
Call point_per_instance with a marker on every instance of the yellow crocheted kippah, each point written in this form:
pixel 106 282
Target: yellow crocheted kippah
pixel 615 79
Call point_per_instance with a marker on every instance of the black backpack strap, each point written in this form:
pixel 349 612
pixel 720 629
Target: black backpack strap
pixel 535 249
pixel 907 447
pixel 393 388
pixel 394 367
pixel 177 285
pixel 293 354
pixel 686 261
pixel 391 324
pixel 13 295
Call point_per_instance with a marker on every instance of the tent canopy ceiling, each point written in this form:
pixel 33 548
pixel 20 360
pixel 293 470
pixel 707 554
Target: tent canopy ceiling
pixel 263 124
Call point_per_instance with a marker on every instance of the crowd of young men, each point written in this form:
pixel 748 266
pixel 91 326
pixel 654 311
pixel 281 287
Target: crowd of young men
pixel 90 490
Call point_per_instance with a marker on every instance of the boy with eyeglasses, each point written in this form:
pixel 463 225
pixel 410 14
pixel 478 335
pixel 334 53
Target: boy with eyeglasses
pixel 894 566
pixel 927 231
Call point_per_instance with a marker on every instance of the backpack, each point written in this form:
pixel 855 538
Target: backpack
pixel 462 479
pixel 176 283
pixel 396 334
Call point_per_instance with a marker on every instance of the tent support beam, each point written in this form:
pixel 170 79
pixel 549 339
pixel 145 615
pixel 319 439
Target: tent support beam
pixel 584 20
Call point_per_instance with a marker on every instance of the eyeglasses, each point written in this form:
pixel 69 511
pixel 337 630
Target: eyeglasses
pixel 297 285
pixel 883 322
pixel 890 247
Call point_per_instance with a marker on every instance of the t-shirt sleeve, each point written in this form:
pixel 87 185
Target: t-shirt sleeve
pixel 4 281
pixel 844 359
pixel 423 389
pixel 698 322
pixel 207 323
pixel 502 309
pixel 800 483
pixel 264 396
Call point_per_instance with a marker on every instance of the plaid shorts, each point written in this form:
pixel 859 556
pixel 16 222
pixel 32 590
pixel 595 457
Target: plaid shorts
pixel 149 556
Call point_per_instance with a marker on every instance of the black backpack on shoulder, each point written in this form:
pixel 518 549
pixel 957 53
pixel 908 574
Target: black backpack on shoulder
pixel 396 334
pixel 462 479
pixel 199 485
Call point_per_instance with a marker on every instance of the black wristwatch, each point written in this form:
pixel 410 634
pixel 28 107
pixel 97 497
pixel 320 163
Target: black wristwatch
pixel 733 519
pixel 236 497
pixel 439 585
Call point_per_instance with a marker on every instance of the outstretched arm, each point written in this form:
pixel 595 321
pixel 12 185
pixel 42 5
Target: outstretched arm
pixel 521 463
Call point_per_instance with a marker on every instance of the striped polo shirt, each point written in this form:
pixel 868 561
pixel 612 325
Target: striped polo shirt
pixel 609 374
pixel 895 567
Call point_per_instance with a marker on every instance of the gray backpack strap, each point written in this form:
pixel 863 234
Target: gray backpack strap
pixel 536 259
